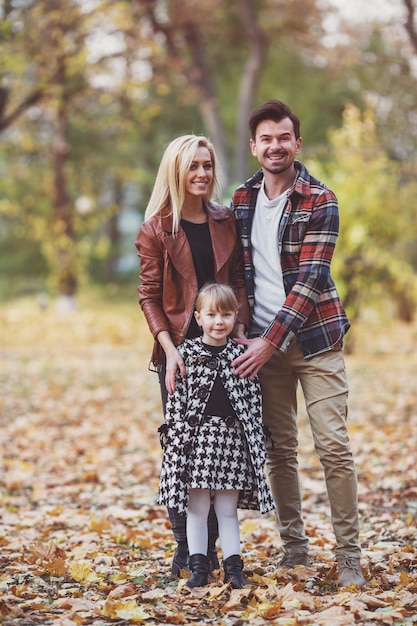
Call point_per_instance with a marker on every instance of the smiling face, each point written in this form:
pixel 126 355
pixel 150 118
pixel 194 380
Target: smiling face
pixel 217 325
pixel 275 145
pixel 200 175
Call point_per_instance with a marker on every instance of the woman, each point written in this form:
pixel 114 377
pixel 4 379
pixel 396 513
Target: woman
pixel 185 241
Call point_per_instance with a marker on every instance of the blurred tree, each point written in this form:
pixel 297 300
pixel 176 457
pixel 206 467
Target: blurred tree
pixel 51 67
pixel 386 78
pixel 10 112
pixel 179 23
pixel 61 73
pixel 219 51
pixel 374 260
pixel 85 111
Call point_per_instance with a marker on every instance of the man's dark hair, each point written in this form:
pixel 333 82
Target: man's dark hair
pixel 273 110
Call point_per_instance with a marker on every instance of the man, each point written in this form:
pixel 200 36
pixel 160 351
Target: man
pixel 289 224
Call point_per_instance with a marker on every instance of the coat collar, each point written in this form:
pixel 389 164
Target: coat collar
pixel 199 350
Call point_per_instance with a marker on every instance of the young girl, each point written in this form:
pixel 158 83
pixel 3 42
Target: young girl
pixel 213 439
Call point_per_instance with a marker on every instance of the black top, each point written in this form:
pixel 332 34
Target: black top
pixel 218 403
pixel 198 236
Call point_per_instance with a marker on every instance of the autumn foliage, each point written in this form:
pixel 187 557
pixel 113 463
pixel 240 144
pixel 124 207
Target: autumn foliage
pixel 81 538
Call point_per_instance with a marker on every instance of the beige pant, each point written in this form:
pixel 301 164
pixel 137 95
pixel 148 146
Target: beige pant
pixel 325 388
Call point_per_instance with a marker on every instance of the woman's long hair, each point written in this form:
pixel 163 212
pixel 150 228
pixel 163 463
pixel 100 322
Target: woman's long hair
pixel 169 188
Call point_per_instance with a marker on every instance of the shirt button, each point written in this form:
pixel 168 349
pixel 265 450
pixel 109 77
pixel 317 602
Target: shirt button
pixel 203 392
pixel 193 420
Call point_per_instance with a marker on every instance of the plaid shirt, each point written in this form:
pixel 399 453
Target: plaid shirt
pixel 307 234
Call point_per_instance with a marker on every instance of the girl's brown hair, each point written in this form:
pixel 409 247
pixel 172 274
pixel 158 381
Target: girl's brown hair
pixel 219 297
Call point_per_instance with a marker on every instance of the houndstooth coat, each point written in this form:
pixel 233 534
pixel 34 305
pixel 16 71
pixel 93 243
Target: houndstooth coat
pixel 185 408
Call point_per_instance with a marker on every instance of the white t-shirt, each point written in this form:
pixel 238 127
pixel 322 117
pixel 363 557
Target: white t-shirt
pixel 269 286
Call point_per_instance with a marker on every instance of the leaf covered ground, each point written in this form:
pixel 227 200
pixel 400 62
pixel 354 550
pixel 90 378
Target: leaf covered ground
pixel 81 539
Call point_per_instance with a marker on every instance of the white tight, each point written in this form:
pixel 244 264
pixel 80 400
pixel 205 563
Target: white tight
pixel 225 505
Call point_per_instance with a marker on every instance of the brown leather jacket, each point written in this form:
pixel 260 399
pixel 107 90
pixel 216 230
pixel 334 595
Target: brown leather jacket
pixel 169 286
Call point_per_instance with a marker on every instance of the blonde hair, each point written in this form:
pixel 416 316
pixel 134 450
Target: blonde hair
pixel 169 188
pixel 219 297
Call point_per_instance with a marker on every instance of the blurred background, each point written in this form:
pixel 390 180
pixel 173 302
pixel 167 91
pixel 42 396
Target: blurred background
pixel 92 90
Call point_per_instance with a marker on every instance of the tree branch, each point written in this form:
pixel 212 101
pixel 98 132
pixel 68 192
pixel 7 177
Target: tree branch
pixel 410 25
pixel 29 101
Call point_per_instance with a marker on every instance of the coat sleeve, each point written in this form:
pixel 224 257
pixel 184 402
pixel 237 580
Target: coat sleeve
pixel 151 276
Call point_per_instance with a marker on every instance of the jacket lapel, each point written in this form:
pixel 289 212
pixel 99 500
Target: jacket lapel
pixel 222 239
pixel 178 250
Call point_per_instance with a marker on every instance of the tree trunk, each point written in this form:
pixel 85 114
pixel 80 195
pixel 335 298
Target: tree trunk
pixel 62 216
pixel 249 83
pixel 209 105
pixel 197 72
pixel 410 24
pixel 114 230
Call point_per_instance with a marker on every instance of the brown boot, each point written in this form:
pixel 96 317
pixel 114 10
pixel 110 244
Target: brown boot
pixel 350 572
pixel 290 559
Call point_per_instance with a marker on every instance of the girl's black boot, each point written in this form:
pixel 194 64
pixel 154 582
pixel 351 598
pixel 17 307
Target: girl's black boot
pixel 199 566
pixel 233 571
pixel 180 560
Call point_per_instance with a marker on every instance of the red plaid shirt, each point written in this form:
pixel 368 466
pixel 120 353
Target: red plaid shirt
pixel 307 234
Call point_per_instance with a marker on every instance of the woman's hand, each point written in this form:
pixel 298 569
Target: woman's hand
pixel 174 363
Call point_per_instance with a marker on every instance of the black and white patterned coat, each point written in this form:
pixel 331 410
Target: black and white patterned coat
pixel 185 409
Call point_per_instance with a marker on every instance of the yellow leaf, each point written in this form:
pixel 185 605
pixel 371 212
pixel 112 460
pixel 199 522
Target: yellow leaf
pixel 118 578
pixel 262 581
pixel 128 610
pixel 269 609
pixel 405 579
pixel 99 524
pixel 249 526
pixel 215 592
pixel 80 570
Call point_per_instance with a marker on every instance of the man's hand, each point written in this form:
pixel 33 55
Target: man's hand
pixel 258 352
